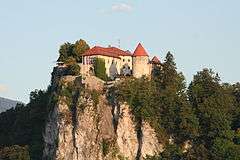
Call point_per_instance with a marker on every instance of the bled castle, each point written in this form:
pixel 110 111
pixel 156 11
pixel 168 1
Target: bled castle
pixel 119 62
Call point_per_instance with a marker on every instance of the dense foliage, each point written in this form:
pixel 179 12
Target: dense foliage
pixel 100 69
pixel 206 114
pixel 71 55
pixel 14 153
pixel 74 69
pixel 68 50
pixel 24 125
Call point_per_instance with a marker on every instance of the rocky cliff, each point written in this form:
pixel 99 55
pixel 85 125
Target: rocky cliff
pixel 84 124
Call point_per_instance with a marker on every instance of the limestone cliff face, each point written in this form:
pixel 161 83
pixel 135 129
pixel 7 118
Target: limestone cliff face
pixel 86 130
pixel 128 141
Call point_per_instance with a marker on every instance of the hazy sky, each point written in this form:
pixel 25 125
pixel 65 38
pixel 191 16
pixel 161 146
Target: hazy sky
pixel 200 33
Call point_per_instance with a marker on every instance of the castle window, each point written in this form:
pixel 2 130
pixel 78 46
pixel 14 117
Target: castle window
pixel 123 60
pixel 128 60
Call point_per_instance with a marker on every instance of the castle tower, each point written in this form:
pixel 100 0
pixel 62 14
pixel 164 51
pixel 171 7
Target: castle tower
pixel 141 64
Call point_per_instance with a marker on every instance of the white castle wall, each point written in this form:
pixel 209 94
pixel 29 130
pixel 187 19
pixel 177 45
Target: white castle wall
pixel 139 65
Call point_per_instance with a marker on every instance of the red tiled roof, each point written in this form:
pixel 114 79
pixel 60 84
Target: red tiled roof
pixel 155 60
pixel 110 52
pixel 140 51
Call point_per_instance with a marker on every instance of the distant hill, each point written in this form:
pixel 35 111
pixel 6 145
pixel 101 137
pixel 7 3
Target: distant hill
pixel 7 104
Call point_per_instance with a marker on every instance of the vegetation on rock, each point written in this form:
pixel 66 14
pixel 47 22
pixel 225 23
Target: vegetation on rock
pixel 14 153
pixel 68 50
pixel 71 55
pixel 99 69
pixel 206 113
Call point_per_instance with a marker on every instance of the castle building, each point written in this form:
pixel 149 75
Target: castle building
pixel 141 65
pixel 119 62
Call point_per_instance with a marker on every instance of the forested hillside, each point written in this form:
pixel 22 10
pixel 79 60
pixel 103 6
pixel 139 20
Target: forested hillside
pixel 23 126
pixel 205 114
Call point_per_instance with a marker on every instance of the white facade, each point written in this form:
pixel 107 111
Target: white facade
pixel 109 61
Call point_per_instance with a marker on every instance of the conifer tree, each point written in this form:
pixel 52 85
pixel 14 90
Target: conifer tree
pixel 213 106
pixel 176 113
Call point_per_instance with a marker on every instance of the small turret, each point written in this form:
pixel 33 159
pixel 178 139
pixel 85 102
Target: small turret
pixel 140 62
pixel 140 51
pixel 155 60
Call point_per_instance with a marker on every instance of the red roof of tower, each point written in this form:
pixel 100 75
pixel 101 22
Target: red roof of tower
pixel 110 52
pixel 140 51
pixel 155 60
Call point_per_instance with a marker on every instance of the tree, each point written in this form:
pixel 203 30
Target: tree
pixel 79 48
pixel 171 152
pixel 224 149
pixel 70 61
pixel 187 123
pixel 24 125
pixel 75 51
pixel 100 69
pixel 235 91
pixel 213 107
pixel 65 52
pixel 74 69
pixel 72 66
pixel 198 151
pixel 204 84
pixel 177 114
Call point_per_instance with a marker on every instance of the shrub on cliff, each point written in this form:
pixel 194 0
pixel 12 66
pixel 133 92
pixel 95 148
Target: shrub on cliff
pixel 79 48
pixel 72 50
pixel 74 69
pixel 14 153
pixel 65 51
pixel 72 66
pixel 100 69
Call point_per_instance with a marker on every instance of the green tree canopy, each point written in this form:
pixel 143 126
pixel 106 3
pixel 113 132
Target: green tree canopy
pixel 213 106
pixel 65 52
pixel 68 50
pixel 79 48
pixel 177 115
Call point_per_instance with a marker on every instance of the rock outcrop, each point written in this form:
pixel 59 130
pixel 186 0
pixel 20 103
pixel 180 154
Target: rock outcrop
pixel 92 128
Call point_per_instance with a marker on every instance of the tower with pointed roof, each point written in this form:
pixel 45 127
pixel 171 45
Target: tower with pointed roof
pixel 140 66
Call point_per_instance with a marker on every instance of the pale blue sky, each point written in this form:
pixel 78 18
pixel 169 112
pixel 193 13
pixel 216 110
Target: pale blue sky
pixel 200 33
